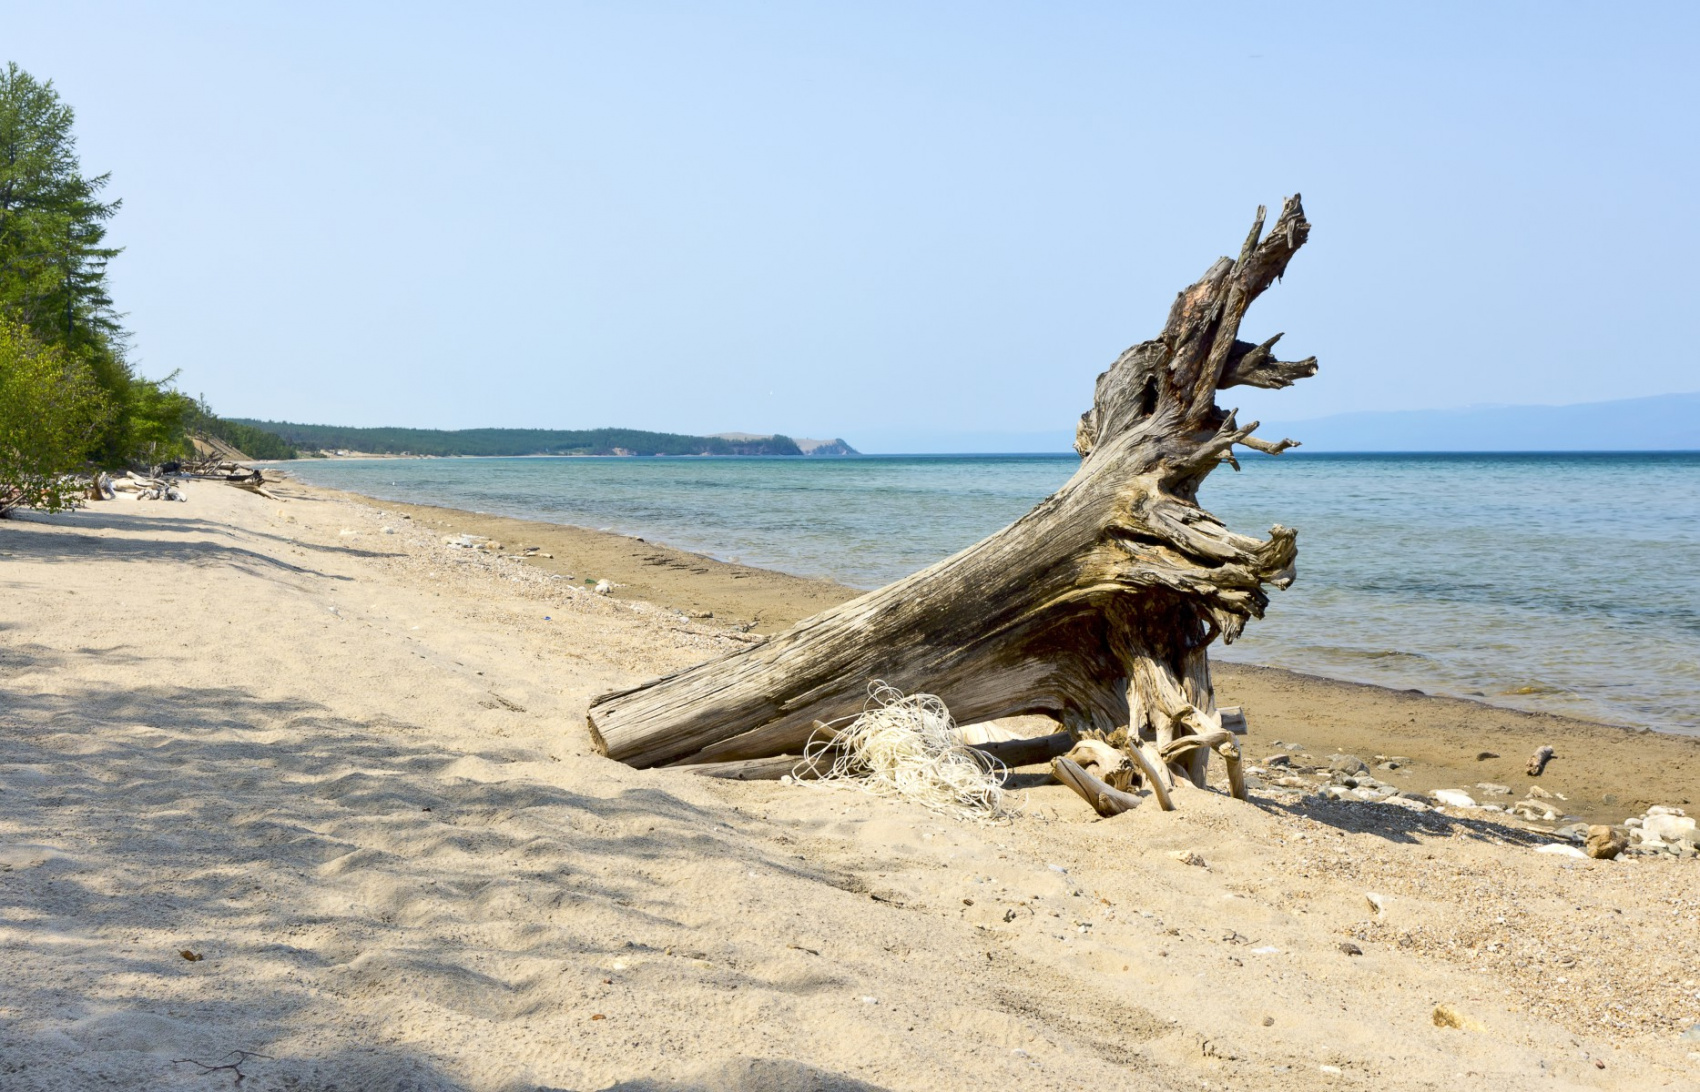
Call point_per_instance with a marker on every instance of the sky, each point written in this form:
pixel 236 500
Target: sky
pixel 915 226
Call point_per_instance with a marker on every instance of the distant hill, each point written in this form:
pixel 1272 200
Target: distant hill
pixel 1666 422
pixel 525 441
pixel 807 447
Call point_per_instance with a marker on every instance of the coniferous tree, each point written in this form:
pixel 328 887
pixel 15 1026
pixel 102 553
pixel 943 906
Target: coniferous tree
pixel 53 268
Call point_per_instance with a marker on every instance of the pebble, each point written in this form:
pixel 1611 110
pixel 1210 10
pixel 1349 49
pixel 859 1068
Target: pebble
pixel 1560 849
pixel 1445 1016
pixel 1492 789
pixel 1456 798
pixel 1346 764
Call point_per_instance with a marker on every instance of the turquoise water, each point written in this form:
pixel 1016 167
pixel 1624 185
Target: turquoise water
pixel 1568 583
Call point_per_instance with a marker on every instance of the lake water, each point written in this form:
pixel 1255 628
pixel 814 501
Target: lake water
pixel 1568 583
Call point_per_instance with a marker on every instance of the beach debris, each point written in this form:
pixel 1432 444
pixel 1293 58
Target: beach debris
pixel 1107 800
pixel 1663 829
pixel 1115 584
pixel 1453 798
pixel 1378 903
pixel 906 746
pixel 1346 764
pixel 1535 808
pixel 1187 857
pixel 1538 761
pixel 1605 843
pixel 192 957
pixel 145 487
pixel 1483 756
pixel 1446 1016
pixel 1350 949
pixel 603 587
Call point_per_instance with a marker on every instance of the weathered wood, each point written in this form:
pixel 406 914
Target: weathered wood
pixel 1096 608
pixel 762 769
pixel 1027 752
pixel 1114 768
pixel 1105 800
pixel 1156 774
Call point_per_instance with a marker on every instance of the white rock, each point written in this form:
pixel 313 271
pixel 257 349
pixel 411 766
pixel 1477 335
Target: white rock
pixel 603 587
pixel 1456 798
pixel 1669 828
pixel 1559 849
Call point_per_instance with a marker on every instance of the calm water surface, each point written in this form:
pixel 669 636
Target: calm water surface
pixel 1568 583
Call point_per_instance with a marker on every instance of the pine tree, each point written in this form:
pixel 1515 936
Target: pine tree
pixel 52 222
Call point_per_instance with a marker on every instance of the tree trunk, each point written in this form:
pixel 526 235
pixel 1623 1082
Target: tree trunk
pixel 1096 608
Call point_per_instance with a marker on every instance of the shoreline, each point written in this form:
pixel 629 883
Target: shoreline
pixel 1604 772
pixel 344 767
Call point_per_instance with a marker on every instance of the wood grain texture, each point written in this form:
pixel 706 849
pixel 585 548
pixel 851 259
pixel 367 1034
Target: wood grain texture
pixel 1096 608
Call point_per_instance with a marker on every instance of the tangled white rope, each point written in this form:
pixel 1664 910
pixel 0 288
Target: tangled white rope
pixel 907 747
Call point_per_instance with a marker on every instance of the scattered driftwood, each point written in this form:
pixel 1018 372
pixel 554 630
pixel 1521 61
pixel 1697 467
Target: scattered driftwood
pixel 1097 608
pixel 142 487
pixel 1106 801
pixel 1538 761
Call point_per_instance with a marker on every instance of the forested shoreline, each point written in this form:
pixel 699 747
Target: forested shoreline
pixel 71 399
pixel 523 441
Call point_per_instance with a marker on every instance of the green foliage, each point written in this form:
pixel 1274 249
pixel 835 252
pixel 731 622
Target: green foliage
pixel 51 413
pixel 53 273
pixel 516 441
pixel 52 222
pixel 250 441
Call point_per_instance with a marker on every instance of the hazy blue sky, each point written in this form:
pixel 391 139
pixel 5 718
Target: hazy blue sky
pixel 877 221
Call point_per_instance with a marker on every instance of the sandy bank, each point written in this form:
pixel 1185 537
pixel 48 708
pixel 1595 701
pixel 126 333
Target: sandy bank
pixel 1604 772
pixel 347 770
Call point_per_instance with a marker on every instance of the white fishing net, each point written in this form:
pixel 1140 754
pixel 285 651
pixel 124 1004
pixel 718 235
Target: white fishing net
pixel 906 746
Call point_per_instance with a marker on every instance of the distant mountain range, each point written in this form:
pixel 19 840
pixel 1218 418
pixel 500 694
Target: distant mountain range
pixel 528 441
pixel 1666 422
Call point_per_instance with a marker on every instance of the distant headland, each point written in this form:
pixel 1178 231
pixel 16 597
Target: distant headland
pixel 316 440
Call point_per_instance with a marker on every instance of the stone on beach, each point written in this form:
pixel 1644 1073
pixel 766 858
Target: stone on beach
pixel 1456 798
pixel 1605 843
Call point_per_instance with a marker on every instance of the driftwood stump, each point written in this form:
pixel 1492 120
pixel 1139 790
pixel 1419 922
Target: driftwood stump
pixel 1096 608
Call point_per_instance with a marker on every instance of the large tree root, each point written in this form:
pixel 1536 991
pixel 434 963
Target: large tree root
pixel 1096 608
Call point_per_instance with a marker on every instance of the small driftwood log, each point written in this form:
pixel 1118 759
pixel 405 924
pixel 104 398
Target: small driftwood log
pixel 1097 608
pixel 1106 801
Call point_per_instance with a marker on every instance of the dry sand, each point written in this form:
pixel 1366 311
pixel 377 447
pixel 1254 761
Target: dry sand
pixel 347 771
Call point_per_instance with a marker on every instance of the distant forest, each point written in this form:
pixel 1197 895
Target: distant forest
pixel 519 441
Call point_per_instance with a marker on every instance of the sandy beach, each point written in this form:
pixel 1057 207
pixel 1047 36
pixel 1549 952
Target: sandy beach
pixel 293 786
